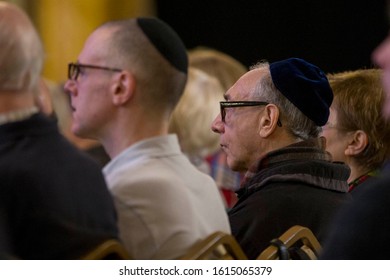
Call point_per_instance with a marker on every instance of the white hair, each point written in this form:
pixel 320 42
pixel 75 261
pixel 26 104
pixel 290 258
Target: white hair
pixel 21 50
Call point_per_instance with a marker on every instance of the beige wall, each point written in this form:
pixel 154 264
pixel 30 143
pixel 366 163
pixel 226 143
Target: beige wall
pixel 65 24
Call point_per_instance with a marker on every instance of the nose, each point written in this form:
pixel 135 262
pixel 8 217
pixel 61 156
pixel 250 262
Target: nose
pixel 70 88
pixel 217 125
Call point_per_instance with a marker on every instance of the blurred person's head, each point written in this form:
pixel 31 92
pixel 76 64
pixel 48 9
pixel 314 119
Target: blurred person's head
pixel 197 107
pixel 218 64
pixel 381 57
pixel 21 51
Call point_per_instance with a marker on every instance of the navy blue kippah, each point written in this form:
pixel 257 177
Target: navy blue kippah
pixel 305 85
pixel 166 41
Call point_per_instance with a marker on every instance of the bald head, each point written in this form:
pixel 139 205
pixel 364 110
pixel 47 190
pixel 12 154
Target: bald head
pixel 21 51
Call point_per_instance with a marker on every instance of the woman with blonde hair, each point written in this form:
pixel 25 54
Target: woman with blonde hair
pixel 191 121
pixel 227 70
pixel 217 64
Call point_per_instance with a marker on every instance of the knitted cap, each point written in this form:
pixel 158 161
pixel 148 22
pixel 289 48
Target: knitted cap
pixel 304 85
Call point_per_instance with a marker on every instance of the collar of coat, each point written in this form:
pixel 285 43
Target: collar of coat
pixel 305 161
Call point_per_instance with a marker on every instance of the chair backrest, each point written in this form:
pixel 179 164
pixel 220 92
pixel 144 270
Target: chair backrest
pixel 297 242
pixel 217 246
pixel 110 249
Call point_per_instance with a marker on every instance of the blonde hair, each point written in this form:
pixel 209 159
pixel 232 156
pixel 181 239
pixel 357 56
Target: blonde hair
pixel 217 64
pixel 193 115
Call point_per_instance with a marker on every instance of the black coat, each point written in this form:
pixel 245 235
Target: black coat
pixel 54 203
pixel 292 186
pixel 361 231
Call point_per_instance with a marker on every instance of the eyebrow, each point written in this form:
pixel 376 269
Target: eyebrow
pixel 226 97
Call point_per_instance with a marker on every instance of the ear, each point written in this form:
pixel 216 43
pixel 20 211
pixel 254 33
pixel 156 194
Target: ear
pixel 123 88
pixel 268 120
pixel 357 143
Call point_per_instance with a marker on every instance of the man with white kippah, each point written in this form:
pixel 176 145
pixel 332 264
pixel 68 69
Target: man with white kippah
pixel 124 86
pixel 269 128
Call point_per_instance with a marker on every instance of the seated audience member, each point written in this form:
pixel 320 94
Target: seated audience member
pixel 197 107
pixel 362 229
pixel 227 70
pixel 126 83
pixel 269 127
pixel 54 203
pixel 356 132
pixel 217 64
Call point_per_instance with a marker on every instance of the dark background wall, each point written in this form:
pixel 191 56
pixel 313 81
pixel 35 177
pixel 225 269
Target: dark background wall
pixel 336 35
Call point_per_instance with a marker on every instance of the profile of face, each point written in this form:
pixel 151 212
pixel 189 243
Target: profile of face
pixel 336 137
pixel 239 137
pixel 89 87
pixel 381 56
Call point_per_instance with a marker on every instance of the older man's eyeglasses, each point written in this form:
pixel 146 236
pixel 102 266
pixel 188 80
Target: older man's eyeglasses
pixel 74 69
pixel 230 104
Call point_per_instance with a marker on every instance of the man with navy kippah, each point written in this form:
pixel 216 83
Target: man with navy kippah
pixel 124 86
pixel 269 128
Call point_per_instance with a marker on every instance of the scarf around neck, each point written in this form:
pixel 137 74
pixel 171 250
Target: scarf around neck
pixel 303 151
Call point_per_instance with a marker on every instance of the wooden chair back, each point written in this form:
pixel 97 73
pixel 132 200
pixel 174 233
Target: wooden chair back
pixel 110 249
pixel 297 242
pixel 217 246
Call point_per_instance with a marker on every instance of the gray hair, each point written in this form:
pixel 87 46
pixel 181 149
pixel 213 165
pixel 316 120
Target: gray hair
pixel 21 50
pixel 290 116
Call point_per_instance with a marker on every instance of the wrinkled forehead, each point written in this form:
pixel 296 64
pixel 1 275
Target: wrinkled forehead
pixel 245 87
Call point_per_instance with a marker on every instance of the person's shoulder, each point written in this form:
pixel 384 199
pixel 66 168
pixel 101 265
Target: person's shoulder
pixel 376 189
pixel 141 180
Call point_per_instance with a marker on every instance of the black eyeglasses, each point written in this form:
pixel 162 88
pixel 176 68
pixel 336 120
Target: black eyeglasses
pixel 230 104
pixel 74 69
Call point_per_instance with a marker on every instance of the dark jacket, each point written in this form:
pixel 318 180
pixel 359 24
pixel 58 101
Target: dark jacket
pixel 54 203
pixel 296 185
pixel 360 184
pixel 362 228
